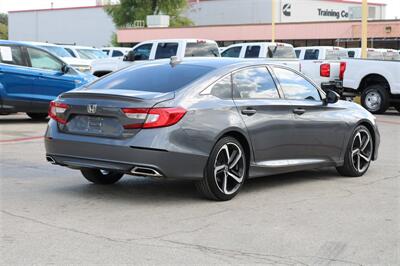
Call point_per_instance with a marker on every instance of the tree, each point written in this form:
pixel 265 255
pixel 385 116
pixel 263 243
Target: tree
pixel 3 26
pixel 128 11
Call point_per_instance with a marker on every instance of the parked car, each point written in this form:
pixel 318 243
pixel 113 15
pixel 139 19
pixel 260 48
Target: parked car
pixel 372 53
pixel 377 81
pixel 115 51
pixel 31 77
pixel 281 53
pixel 85 52
pixel 157 49
pixel 80 64
pixel 213 121
pixel 324 65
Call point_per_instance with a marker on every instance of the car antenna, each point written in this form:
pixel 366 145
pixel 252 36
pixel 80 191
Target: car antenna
pixel 174 60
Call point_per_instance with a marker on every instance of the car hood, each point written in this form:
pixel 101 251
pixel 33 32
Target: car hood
pixel 77 61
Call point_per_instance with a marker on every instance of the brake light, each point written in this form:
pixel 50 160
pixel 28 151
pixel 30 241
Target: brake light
pixel 325 70
pixel 154 117
pixel 57 110
pixel 342 70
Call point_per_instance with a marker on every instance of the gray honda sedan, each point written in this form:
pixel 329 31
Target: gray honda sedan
pixel 214 121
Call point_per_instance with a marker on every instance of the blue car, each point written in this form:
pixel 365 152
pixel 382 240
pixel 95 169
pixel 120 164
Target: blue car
pixel 31 77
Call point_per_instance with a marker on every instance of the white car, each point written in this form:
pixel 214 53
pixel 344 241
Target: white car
pixel 281 53
pixel 324 65
pixel 85 52
pixel 115 51
pixel 378 83
pixel 157 49
pixel 77 63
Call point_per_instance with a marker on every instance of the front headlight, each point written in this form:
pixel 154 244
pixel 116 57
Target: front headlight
pixel 82 68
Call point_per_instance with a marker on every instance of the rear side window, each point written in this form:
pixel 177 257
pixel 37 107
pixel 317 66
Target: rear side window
pixel 142 52
pixel 252 51
pixel 297 53
pixel 117 53
pixel 311 54
pixel 166 50
pixel 202 49
pixel 280 51
pixel 11 55
pixel 222 88
pixel 152 78
pixel 254 83
pixel 295 87
pixel 232 52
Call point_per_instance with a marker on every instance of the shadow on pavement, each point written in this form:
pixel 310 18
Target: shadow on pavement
pixel 134 189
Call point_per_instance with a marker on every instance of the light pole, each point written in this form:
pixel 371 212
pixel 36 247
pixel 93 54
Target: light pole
pixel 273 20
pixel 364 29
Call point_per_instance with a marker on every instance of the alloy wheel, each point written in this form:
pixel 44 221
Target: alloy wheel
pixel 361 150
pixel 229 168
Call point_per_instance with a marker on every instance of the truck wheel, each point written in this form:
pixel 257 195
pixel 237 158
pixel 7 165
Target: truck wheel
pixel 102 177
pixel 375 98
pixel 397 106
pixel 37 116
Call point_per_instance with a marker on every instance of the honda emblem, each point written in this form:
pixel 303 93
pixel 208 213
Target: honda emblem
pixel 91 108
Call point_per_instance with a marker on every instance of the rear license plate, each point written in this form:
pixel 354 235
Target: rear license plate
pixel 95 125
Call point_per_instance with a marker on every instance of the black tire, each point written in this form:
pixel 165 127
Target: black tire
pixel 213 186
pixel 372 93
pixel 355 165
pixel 397 106
pixel 101 177
pixel 37 116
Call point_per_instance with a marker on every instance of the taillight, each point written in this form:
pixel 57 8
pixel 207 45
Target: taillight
pixel 154 117
pixel 57 110
pixel 342 70
pixel 325 70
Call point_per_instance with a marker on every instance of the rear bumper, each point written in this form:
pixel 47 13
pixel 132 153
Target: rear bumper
pixel 335 85
pixel 77 153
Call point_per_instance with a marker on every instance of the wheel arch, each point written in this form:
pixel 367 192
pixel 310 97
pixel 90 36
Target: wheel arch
pixel 371 129
pixel 373 79
pixel 242 138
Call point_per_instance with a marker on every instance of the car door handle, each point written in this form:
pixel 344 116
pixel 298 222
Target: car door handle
pixel 299 111
pixel 249 111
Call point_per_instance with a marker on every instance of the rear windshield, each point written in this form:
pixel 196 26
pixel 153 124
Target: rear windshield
pixel 281 52
pixel 152 78
pixel 202 49
pixel 336 54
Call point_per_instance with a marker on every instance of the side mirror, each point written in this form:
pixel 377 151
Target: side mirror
pixel 332 97
pixel 130 56
pixel 65 69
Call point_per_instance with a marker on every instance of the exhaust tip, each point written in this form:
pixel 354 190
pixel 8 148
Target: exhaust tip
pixel 50 160
pixel 145 171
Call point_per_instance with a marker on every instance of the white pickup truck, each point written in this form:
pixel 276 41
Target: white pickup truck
pixel 157 49
pixel 324 65
pixel 377 81
pixel 280 53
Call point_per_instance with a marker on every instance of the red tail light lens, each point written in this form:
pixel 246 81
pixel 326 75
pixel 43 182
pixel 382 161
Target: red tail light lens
pixel 325 70
pixel 342 70
pixel 57 110
pixel 154 117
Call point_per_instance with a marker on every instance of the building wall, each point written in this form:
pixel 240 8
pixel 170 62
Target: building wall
pixel 89 26
pixel 222 12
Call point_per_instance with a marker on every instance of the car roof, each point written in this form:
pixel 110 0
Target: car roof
pixel 320 47
pixel 261 43
pixel 79 47
pixel 215 62
pixel 26 43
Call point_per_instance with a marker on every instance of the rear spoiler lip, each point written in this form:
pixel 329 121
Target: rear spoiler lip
pixel 111 96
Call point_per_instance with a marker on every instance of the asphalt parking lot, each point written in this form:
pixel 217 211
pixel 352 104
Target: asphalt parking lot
pixel 50 214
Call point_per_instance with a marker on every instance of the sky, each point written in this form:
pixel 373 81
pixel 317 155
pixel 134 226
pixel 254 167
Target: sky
pixel 392 9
